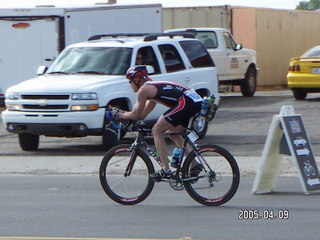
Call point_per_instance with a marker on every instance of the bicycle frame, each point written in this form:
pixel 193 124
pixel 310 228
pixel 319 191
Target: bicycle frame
pixel 141 142
pixel 204 172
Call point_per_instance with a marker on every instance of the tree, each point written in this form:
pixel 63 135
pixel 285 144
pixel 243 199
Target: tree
pixel 310 5
pixel 315 4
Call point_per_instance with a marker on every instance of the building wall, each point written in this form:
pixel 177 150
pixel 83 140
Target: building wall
pixel 276 35
pixel 244 27
pixel 281 35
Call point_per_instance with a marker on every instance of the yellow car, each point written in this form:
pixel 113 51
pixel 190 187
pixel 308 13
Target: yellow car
pixel 304 73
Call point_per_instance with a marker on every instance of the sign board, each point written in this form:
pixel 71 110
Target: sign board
pixel 291 125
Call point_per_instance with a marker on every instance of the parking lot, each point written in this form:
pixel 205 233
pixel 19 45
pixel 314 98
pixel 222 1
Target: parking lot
pixel 241 125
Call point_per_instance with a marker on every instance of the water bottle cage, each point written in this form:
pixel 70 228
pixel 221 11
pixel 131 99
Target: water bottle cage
pixel 208 108
pixel 211 112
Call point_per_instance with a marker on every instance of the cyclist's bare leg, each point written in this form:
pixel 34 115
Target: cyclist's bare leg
pixel 178 140
pixel 158 131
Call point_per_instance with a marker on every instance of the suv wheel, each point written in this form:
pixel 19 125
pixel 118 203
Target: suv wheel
pixel 200 126
pixel 249 84
pixel 28 142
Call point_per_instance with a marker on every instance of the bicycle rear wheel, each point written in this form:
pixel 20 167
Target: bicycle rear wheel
pixel 212 178
pixel 124 176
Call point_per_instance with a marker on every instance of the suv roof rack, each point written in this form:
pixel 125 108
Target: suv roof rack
pixel 152 37
pixel 116 35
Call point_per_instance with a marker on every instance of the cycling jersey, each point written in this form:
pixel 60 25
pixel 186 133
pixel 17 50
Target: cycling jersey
pixel 168 93
pixel 184 103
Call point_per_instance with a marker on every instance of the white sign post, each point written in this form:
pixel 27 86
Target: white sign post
pixel 290 124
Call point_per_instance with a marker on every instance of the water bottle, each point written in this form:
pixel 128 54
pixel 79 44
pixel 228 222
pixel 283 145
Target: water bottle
pixel 212 108
pixel 204 107
pixel 175 157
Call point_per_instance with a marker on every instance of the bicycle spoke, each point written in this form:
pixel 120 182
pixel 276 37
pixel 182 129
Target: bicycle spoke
pixel 123 188
pixel 213 181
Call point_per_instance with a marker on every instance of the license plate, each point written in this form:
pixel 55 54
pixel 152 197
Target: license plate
pixel 316 70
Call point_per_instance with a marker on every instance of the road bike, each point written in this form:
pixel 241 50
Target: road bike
pixel 209 173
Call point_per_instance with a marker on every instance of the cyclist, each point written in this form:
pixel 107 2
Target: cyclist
pixel 182 101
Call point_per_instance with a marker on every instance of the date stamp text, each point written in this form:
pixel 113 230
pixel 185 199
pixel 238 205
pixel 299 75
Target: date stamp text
pixel 266 214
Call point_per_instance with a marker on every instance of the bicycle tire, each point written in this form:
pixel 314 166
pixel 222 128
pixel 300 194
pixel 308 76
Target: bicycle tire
pixel 211 188
pixel 126 190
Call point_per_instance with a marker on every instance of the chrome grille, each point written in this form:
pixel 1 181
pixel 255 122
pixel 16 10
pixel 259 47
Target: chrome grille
pixel 49 97
pixel 45 102
pixel 47 107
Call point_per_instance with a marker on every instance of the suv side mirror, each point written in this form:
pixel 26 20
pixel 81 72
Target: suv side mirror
pixel 41 70
pixel 150 69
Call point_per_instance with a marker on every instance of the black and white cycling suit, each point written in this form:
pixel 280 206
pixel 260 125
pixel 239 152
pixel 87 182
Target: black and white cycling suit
pixel 183 102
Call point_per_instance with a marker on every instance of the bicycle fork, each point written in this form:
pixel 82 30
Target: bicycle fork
pixel 132 159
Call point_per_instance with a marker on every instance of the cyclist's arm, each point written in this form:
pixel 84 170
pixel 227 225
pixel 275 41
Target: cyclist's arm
pixel 142 107
pixel 149 107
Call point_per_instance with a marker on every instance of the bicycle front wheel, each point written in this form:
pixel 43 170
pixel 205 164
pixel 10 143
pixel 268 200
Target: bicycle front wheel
pixel 125 175
pixel 211 176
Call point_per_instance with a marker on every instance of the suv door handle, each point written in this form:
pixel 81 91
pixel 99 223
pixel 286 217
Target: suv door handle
pixel 187 79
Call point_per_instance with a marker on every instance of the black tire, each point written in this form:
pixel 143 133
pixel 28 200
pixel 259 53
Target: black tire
pixel 110 136
pixel 249 83
pixel 126 190
pixel 215 185
pixel 28 142
pixel 200 126
pixel 299 93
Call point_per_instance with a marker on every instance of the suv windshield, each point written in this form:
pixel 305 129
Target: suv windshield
pixel 92 60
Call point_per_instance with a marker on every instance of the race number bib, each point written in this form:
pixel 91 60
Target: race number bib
pixel 193 95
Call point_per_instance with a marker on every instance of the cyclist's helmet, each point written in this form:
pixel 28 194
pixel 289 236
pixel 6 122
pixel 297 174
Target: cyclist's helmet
pixel 138 73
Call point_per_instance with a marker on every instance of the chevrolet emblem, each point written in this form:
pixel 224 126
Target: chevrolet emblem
pixel 42 102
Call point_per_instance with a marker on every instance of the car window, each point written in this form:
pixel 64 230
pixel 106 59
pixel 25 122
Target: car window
pixel 313 52
pixel 146 56
pixel 230 44
pixel 197 54
pixel 208 39
pixel 172 59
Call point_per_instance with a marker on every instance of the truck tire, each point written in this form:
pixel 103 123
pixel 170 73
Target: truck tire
pixel 28 142
pixel 200 126
pixel 249 83
pixel 110 136
pixel 299 93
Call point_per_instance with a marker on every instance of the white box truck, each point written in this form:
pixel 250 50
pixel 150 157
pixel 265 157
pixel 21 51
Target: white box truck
pixel 33 37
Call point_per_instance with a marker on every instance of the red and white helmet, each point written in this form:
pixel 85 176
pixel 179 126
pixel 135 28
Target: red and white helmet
pixel 137 73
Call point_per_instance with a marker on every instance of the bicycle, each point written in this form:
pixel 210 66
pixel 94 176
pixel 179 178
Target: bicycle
pixel 209 173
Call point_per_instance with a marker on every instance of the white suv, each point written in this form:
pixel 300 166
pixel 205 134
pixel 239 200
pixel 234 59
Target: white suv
pixel 70 98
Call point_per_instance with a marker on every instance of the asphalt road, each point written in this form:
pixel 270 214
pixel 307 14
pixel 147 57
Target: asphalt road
pixel 74 206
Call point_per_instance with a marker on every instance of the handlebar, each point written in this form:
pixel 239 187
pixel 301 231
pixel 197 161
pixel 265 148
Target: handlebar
pixel 130 125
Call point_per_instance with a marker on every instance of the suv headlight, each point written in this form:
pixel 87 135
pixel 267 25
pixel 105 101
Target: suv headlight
pixel 13 107
pixel 91 107
pixel 84 96
pixel 12 96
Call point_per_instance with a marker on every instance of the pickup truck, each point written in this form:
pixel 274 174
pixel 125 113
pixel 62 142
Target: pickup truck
pixel 235 65
pixel 69 99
